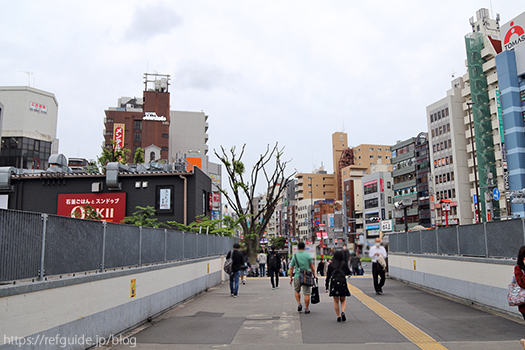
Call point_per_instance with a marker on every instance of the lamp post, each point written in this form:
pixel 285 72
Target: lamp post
pixel 478 218
pixel 312 208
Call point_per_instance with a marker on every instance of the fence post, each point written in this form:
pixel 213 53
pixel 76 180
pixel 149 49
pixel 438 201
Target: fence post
pixel 486 242
pixel 140 246
pixel 42 272
pixel 165 243
pixel 197 245
pixel 207 241
pixel 437 240
pixel 457 237
pixel 183 246
pixel 103 265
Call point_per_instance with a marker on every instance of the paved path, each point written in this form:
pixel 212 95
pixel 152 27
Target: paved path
pixel 402 318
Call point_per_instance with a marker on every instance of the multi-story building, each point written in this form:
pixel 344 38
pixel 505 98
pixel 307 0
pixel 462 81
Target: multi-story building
pixel 405 184
pixel 511 72
pixel 377 203
pixel 318 185
pixel 369 155
pixel 29 127
pixel 188 136
pixel 423 175
pixel 449 178
pixel 486 161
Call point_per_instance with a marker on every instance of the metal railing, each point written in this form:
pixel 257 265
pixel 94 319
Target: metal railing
pixel 495 239
pixel 34 245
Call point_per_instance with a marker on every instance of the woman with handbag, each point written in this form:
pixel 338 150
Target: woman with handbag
pixel 520 279
pixel 336 283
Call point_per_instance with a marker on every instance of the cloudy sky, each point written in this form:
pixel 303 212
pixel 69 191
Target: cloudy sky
pixel 291 72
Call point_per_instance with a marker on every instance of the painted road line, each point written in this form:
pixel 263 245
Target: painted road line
pixel 408 330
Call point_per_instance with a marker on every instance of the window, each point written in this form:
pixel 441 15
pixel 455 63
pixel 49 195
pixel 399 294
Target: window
pixel 165 136
pixel 379 149
pixel 439 114
pixel 431 118
pixel 449 143
pixel 448 176
pixel 137 124
pixel 448 127
pixel 440 130
pixel 446 111
pixel 371 149
pixel 371 156
pixel 370 188
pixel 388 184
pixel 109 120
pixel 379 157
pixel 432 132
pixel 449 193
pixel 389 200
pixel 452 177
pixel 137 137
pixel 387 157
pixel 165 149
pixel 109 133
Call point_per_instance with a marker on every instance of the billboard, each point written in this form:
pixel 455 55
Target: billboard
pixel 118 136
pixel 110 206
pixel 513 32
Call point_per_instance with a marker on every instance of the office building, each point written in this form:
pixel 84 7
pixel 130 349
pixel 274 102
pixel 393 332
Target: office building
pixel 377 204
pixel 29 127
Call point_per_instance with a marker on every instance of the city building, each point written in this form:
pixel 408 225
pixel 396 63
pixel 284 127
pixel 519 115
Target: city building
pixel 449 178
pixel 487 168
pixel 369 155
pixel 423 174
pixel 511 77
pixel 29 127
pixel 188 136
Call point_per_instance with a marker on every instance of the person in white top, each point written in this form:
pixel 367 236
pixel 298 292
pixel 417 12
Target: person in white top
pixel 377 269
pixel 261 259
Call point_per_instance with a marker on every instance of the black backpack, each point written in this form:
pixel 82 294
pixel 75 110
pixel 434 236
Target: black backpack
pixel 275 262
pixel 338 277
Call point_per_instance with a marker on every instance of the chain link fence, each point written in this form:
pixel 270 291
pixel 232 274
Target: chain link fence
pixel 495 239
pixel 34 245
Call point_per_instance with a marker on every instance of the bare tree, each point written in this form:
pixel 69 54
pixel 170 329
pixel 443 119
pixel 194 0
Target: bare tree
pixel 254 220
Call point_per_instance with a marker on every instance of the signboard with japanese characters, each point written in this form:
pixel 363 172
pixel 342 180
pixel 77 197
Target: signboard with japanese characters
pixel 37 107
pixel 110 207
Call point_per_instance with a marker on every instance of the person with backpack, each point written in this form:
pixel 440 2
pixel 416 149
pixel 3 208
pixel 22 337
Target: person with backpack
pixel 301 261
pixel 336 283
pixel 274 266
pixel 237 263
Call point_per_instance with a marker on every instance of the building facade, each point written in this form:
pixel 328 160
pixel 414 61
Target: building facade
pixel 29 127
pixel 377 203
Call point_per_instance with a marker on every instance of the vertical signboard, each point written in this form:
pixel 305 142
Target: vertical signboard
pixel 118 136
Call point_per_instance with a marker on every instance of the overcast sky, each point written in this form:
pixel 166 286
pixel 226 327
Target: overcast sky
pixel 291 72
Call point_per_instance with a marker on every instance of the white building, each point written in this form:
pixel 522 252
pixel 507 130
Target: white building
pixel 29 127
pixel 448 157
pixel 188 136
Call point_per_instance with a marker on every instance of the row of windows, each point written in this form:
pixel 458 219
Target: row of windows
pixel 445 177
pixel 405 191
pixel 371 203
pixel 26 143
pixel 439 114
pixel 446 194
pixel 403 150
pixel 441 130
pixel 442 145
pixel 443 161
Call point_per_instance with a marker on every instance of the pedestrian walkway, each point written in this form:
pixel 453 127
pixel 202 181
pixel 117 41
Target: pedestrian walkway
pixel 403 318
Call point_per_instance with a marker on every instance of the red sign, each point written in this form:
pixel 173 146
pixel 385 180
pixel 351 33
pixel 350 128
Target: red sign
pixel 210 201
pixel 118 136
pixel 110 206
pixel 381 185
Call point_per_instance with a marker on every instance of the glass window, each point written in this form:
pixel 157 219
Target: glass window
pixel 371 149
pixel 371 156
pixel 449 143
pixel 137 125
pixel 431 118
pixel 137 137
pixel 448 127
pixel 379 149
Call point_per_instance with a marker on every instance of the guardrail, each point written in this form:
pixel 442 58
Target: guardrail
pixel 495 239
pixel 35 245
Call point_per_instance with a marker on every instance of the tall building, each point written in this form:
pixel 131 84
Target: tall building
pixel 367 155
pixel 423 175
pixel 448 157
pixel 189 136
pixel 511 76
pixel 487 166
pixel 29 127
pixel 339 145
pixel 142 122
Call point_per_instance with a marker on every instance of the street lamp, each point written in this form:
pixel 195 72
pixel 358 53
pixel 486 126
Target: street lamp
pixel 474 161
pixel 404 204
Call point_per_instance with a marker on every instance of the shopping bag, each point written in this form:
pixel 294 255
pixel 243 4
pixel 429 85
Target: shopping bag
pixel 515 294
pixel 315 298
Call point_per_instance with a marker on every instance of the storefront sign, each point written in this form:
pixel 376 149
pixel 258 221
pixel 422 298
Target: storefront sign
pixel 37 107
pixel 118 136
pixel 110 207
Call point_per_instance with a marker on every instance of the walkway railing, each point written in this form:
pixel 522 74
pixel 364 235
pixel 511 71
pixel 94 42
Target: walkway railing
pixel 34 245
pixel 496 239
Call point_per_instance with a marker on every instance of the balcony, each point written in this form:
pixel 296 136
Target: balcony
pixel 492 78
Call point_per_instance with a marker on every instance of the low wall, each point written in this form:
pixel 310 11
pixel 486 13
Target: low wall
pixel 97 306
pixel 478 281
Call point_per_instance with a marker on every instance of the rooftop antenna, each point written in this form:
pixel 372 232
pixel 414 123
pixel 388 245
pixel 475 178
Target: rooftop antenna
pixel 29 74
pixel 453 72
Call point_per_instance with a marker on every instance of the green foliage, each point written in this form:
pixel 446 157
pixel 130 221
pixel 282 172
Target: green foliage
pixel 113 155
pixel 138 158
pixel 325 257
pixel 366 259
pixel 278 242
pixel 205 224
pixel 86 212
pixel 142 217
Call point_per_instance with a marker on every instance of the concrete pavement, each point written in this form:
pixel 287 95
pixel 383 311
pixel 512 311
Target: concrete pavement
pixel 402 318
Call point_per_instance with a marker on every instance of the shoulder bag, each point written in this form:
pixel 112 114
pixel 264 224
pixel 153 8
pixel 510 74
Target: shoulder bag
pixel 515 294
pixel 315 298
pixel 228 264
pixel 381 261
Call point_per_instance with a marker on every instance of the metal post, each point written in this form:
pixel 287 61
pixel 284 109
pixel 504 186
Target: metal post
pixel 207 241
pixel 165 244
pixel 405 209
pixel 474 161
pixel 457 235
pixel 103 265
pixel 140 246
pixel 183 240
pixel 41 272
pixel 486 242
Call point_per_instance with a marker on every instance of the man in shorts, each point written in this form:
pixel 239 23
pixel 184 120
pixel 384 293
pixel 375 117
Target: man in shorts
pixel 301 261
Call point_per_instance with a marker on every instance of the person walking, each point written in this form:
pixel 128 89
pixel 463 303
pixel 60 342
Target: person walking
pixel 377 270
pixel 355 261
pixel 261 258
pixel 320 268
pixel 336 283
pixel 346 254
pixel 274 267
pixel 301 261
pixel 519 274
pixel 237 263
pixel 284 267
pixel 245 268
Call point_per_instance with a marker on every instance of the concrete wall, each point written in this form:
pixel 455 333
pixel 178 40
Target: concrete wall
pixel 99 305
pixel 475 280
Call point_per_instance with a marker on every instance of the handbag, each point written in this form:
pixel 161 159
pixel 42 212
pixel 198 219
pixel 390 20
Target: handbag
pixel 515 294
pixel 228 264
pixel 381 261
pixel 306 278
pixel 315 298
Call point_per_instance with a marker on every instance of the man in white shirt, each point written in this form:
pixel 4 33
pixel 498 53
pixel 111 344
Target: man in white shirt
pixel 261 259
pixel 377 269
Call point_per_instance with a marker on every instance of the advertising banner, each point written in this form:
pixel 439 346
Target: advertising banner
pixel 118 136
pixel 111 207
pixel 513 32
